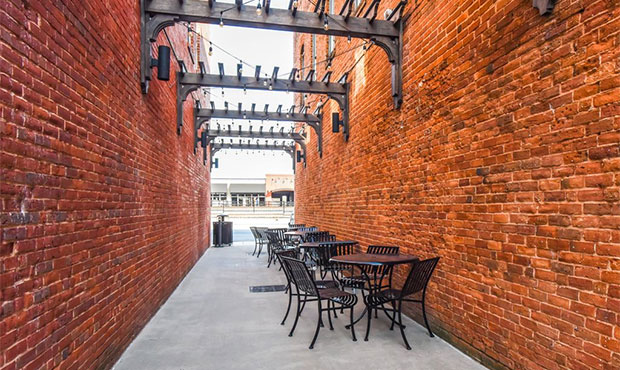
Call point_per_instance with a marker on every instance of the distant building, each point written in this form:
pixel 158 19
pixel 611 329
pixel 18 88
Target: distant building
pixel 271 190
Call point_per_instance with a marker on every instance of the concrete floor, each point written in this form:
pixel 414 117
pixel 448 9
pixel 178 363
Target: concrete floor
pixel 212 321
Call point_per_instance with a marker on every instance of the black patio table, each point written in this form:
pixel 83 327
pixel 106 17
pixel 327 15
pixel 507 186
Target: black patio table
pixel 373 260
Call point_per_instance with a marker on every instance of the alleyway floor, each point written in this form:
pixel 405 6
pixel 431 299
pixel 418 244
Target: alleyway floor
pixel 212 321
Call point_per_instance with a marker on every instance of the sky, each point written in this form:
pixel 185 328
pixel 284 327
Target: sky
pixel 256 47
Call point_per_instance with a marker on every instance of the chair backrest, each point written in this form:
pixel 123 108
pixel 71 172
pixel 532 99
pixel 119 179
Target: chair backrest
pixel 300 276
pixel 419 276
pixel 262 233
pixel 382 249
pixel 318 236
pixel 295 226
pixel 308 228
pixel 290 254
pixel 254 232
pixel 328 250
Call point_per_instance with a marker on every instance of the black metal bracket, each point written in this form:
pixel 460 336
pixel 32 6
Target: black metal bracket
pixel 202 116
pixel 289 149
pixel 158 14
pixel 188 82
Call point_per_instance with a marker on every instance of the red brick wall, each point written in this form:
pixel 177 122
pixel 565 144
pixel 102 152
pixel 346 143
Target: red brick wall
pixel 504 160
pixel 104 208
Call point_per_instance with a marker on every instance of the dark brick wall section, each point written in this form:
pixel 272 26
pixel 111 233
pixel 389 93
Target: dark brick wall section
pixel 104 208
pixel 504 160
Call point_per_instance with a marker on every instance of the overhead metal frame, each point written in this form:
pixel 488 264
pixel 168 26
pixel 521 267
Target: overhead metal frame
pixel 338 91
pixel 387 34
pixel 287 148
pixel 202 116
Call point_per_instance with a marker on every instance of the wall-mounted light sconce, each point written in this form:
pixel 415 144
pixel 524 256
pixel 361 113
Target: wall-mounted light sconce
pixel 162 63
pixel 336 122
pixel 300 156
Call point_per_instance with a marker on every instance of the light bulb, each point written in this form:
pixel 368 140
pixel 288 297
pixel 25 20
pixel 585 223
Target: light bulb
pixel 349 39
pixel 210 50
pixel 221 22
pixel 270 87
pixel 245 91
pixel 265 83
pixel 325 25
pixel 295 4
pixel 259 10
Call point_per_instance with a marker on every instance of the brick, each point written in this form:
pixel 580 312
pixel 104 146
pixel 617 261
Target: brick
pixel 85 197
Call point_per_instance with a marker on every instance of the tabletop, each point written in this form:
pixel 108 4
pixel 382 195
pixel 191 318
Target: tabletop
pixel 374 259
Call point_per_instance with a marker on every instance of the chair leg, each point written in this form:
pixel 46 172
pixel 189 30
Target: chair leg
pixel 330 304
pixel 290 298
pixel 260 249
pixel 255 246
pixel 369 313
pixel 428 327
pixel 352 321
pixel 400 322
pixel 393 318
pixel 298 312
pixel 318 325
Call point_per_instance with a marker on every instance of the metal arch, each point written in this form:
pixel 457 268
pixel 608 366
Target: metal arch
pixel 157 14
pixel 201 116
pixel 151 26
pixel 188 82
pixel 290 149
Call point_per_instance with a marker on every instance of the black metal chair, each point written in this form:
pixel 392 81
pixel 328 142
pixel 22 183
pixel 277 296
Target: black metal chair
pixel 295 226
pixel 262 239
pixel 318 236
pixel 321 284
pixel 371 277
pixel 328 250
pixel 276 242
pixel 416 282
pixel 307 291
pixel 256 236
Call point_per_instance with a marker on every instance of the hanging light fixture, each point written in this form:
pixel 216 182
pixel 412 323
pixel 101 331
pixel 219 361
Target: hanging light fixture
pixel 295 4
pixel 221 19
pixel 349 39
pixel 210 48
pixel 325 24
pixel 259 10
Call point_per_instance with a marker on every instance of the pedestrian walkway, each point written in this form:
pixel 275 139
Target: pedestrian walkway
pixel 212 321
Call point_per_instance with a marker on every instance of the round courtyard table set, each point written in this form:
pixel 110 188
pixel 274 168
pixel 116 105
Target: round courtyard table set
pixel 319 268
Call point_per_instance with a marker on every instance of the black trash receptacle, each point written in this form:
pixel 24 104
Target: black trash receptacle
pixel 222 232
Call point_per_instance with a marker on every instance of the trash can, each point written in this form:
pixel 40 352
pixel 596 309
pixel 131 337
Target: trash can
pixel 222 232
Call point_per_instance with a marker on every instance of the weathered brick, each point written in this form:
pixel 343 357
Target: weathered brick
pixel 539 142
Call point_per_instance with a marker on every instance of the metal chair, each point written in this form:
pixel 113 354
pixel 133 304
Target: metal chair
pixel 321 284
pixel 372 275
pixel 276 242
pixel 328 250
pixel 318 236
pixel 262 239
pixel 256 238
pixel 307 288
pixel 416 282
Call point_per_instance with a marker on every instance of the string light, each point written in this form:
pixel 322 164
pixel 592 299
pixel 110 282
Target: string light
pixel 349 39
pixel 222 92
pixel 221 19
pixel 325 25
pixel 210 49
pixel 270 86
pixel 295 4
pixel 259 10
pixel 245 91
